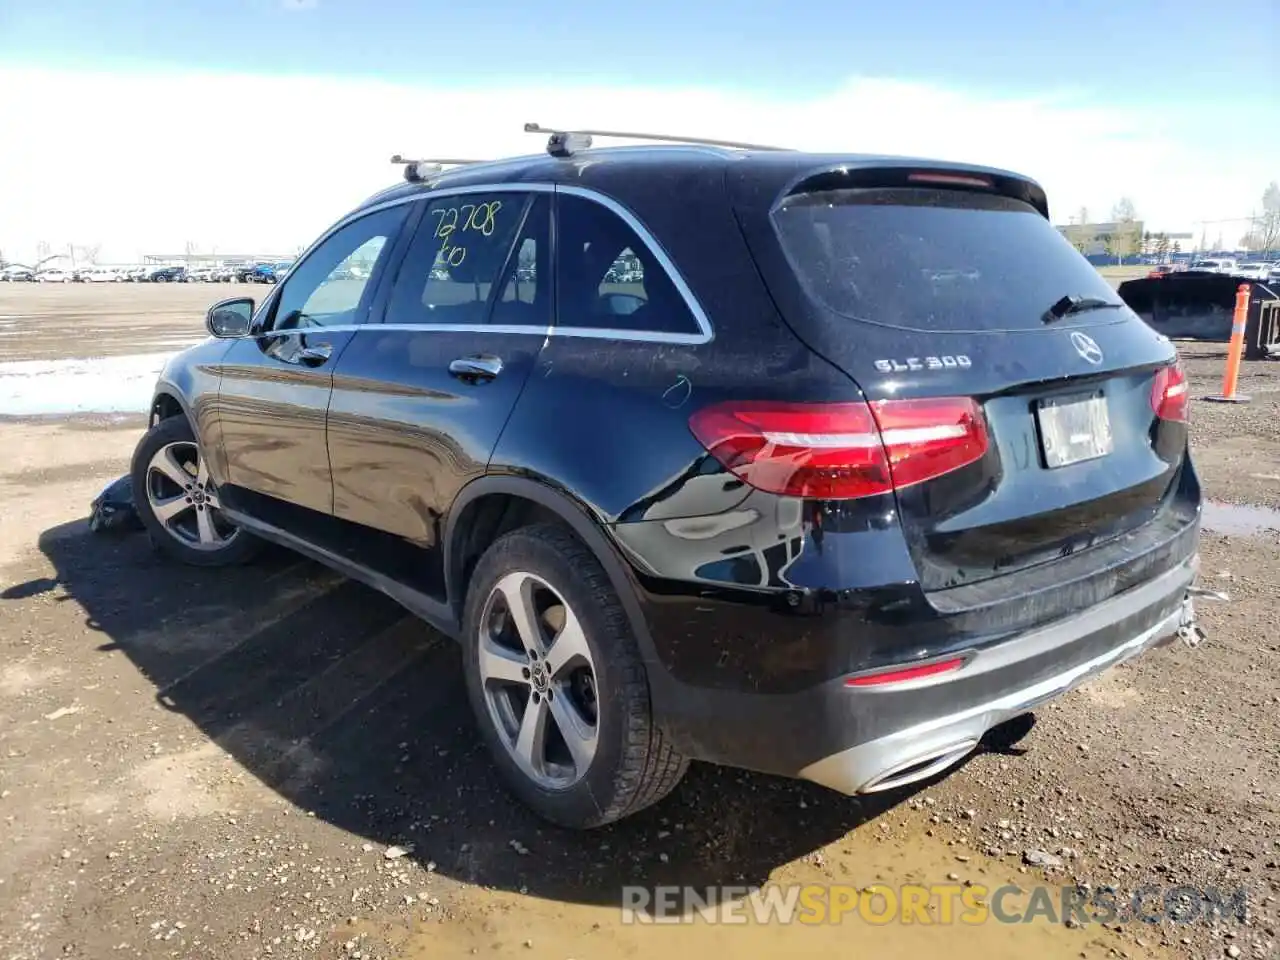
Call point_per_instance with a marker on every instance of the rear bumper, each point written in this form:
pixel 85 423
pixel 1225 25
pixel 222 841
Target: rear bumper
pixel 866 738
pixel 959 716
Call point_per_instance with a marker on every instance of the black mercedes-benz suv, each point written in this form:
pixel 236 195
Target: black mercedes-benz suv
pixel 819 465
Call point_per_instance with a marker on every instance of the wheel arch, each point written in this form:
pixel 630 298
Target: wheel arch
pixel 490 506
pixel 167 401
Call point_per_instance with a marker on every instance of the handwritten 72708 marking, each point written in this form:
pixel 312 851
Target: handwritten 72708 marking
pixel 475 217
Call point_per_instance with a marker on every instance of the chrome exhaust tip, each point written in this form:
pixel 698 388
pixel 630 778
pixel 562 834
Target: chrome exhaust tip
pixel 920 768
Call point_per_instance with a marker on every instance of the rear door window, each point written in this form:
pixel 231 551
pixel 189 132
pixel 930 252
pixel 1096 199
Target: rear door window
pixel 929 259
pixel 458 253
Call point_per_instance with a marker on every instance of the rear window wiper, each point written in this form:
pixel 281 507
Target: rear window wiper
pixel 1069 305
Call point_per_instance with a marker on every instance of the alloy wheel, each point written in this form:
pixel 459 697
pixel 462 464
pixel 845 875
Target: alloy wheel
pixel 539 680
pixel 184 499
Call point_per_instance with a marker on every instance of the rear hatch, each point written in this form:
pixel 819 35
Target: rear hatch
pixel 953 286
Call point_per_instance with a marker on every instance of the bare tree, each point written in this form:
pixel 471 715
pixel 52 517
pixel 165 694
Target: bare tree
pixel 44 254
pixel 1124 211
pixel 1264 233
pixel 85 252
pixel 1124 238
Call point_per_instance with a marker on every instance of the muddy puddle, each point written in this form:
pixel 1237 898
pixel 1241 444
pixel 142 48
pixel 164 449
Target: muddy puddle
pixel 493 923
pixel 1236 520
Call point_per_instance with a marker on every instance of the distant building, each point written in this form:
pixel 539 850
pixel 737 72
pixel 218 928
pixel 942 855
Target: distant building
pixel 1094 239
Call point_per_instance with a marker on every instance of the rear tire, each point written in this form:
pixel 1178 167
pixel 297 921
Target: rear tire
pixel 590 752
pixel 178 503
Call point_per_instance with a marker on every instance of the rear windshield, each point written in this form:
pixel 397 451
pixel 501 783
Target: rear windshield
pixel 934 259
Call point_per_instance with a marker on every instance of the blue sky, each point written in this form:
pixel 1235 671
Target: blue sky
pixel 284 112
pixel 1132 50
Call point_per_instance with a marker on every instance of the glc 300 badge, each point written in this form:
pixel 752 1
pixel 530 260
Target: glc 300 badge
pixel 957 362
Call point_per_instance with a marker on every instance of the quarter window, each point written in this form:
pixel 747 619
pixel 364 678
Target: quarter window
pixel 609 278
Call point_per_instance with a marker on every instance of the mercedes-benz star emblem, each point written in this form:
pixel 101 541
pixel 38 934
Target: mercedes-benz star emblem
pixel 1086 346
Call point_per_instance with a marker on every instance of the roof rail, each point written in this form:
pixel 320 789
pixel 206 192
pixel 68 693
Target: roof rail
pixel 415 171
pixel 565 143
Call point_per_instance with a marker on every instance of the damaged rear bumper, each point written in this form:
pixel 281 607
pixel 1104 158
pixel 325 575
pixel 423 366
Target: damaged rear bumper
pixel 1001 682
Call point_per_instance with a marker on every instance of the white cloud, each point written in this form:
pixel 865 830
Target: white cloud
pixel 149 162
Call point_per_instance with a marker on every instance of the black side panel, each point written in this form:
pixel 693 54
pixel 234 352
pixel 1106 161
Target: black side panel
pixel 372 556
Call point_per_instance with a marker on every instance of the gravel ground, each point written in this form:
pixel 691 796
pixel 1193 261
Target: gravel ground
pixel 271 761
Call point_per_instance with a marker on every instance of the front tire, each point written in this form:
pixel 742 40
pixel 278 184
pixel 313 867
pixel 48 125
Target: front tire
pixel 557 683
pixel 178 502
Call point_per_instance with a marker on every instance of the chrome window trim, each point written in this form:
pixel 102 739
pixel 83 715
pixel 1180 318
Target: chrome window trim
pixel 404 328
pixel 596 333
pixel 705 332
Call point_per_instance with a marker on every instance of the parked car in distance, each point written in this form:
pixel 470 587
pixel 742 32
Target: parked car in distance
pixel 54 275
pixel 1215 265
pixel 199 275
pixel 858 537
pixel 16 274
pixel 168 274
pixel 104 275
pixel 268 272
pixel 1253 270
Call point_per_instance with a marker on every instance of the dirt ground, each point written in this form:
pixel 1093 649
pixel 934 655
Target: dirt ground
pixel 272 761
pixel 51 321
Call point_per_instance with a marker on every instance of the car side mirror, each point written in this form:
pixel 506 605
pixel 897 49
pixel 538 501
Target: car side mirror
pixel 228 319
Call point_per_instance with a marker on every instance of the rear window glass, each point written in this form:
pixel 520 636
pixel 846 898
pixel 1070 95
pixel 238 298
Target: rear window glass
pixel 934 259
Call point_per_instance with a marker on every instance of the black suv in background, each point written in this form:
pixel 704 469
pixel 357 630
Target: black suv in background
pixel 166 275
pixel 817 465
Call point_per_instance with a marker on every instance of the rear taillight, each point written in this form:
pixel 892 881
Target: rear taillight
pixel 840 451
pixel 1170 396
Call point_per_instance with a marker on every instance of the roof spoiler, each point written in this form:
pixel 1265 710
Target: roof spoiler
pixel 917 173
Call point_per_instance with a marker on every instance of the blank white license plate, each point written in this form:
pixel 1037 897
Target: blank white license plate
pixel 1074 428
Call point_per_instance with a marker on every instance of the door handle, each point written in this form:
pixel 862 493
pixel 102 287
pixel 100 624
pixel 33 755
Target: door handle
pixel 315 354
pixel 476 368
